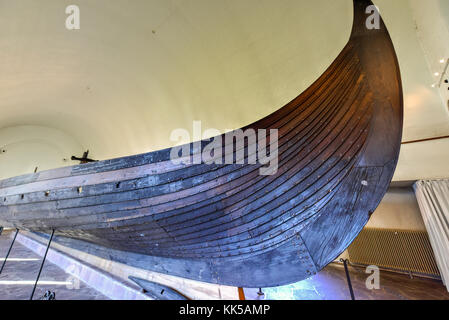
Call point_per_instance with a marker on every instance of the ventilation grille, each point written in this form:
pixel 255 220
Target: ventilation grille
pixel 398 250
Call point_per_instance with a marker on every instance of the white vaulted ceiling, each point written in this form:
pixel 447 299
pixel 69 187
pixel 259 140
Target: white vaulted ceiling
pixel 138 69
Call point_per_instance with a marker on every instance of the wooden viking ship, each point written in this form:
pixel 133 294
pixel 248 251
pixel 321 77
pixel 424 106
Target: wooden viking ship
pixel 225 223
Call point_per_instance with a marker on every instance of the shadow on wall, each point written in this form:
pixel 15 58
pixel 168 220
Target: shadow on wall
pixel 398 210
pixel 444 10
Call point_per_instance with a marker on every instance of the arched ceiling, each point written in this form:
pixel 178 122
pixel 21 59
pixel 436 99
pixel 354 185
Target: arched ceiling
pixel 136 70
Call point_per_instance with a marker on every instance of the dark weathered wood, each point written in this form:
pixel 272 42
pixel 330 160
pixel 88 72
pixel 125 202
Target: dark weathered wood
pixel 338 147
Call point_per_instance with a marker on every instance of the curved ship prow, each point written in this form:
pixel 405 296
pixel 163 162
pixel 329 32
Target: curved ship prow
pixel 338 146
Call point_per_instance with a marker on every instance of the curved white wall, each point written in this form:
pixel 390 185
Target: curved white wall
pixel 23 148
pixel 137 70
pixel 444 10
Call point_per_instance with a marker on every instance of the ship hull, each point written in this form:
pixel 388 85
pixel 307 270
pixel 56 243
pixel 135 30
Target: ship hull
pixel 338 148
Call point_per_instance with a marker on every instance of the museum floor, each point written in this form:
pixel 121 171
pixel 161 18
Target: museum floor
pixel 330 284
pixel 19 274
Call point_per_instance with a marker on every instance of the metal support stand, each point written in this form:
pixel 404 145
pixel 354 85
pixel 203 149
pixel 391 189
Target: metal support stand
pixel 9 251
pixel 84 159
pixel 42 264
pixel 260 293
pixel 49 296
pixel 345 262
